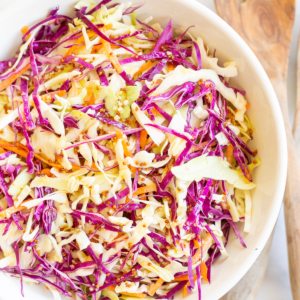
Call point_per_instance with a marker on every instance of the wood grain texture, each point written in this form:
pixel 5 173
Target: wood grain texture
pixel 266 26
pixel 296 128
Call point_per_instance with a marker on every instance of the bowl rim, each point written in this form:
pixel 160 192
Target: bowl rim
pixel 262 76
pixel 279 131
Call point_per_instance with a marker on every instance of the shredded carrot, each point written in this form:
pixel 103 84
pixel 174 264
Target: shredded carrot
pixel 12 210
pixel 78 41
pixel 145 189
pixel 108 26
pixel 181 278
pixel 144 67
pixel 143 197
pixel 155 287
pixel 111 56
pixel 204 271
pixel 126 151
pixel 206 243
pixel 7 82
pixel 229 153
pixel 58 93
pixel 127 200
pixel 112 287
pixel 184 291
pixel 119 135
pixel 143 139
pixel 90 97
pixel 24 29
pixel 170 67
pixel 137 295
pixel 196 244
pixel 46 172
pixel 13 148
pixel 22 150
pixel 247 105
pixel 155 112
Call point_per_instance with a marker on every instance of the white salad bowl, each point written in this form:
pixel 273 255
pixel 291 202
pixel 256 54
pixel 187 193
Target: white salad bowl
pixel 264 113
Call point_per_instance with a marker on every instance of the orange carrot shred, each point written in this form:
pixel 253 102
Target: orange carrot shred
pixel 145 189
pixel 206 243
pixel 229 153
pixel 155 287
pixel 112 287
pixel 137 295
pixel 58 93
pixel 46 172
pixel 119 135
pixel 7 82
pixel 24 29
pixel 126 151
pixel 184 291
pixel 144 68
pixel 90 97
pixel 143 139
pixel 170 67
pixel 13 148
pixel 13 209
pixel 196 244
pixel 181 278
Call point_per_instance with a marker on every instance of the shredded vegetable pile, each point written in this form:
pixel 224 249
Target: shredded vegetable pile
pixel 123 157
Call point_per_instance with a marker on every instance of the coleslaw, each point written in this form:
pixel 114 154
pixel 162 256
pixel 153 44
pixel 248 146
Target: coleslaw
pixel 123 157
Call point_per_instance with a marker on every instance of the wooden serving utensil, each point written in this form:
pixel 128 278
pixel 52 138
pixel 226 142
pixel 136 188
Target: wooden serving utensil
pixel 266 26
pixel 296 128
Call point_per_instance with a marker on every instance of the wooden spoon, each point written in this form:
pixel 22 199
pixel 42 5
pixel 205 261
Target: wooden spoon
pixel 266 26
pixel 296 128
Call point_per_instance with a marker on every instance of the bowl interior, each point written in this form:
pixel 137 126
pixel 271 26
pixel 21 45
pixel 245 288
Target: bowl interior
pixel 264 113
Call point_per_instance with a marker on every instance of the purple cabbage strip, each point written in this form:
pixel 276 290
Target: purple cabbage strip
pixel 164 37
pixel 35 72
pixel 87 22
pixel 110 122
pixel 111 201
pixel 5 155
pixel 49 215
pixel 73 59
pixel 22 64
pixel 102 77
pixel 98 6
pixel 130 10
pixel 182 89
pixel 84 109
pixel 6 64
pixel 162 112
pixel 30 155
pixel 44 21
pixel 24 90
pixel 106 137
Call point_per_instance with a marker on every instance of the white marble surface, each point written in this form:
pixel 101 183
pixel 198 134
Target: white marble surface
pixel 276 285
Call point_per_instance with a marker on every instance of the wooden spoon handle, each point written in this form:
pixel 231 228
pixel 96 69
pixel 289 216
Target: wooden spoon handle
pixel 292 198
pixel 248 286
pixel 296 128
